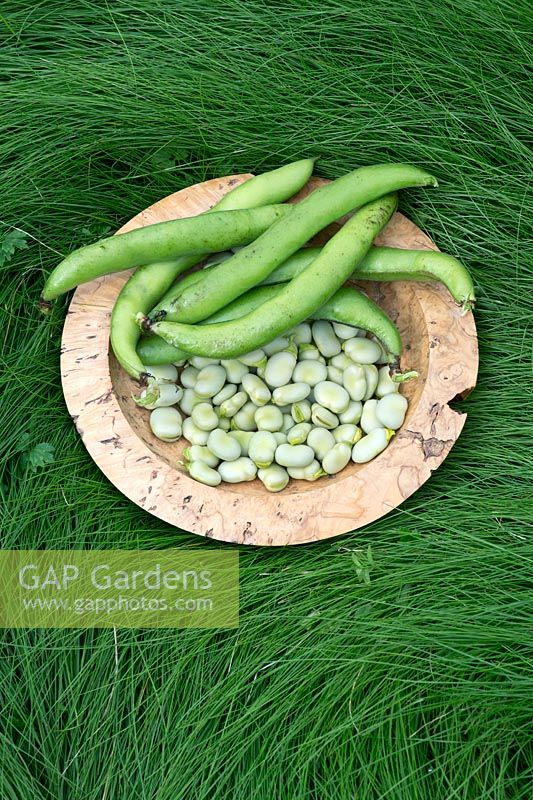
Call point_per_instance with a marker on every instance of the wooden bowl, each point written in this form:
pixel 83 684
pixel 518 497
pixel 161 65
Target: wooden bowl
pixel 439 342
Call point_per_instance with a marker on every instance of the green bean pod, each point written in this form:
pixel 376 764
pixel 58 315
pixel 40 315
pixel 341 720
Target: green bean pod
pixel 225 281
pixel 394 264
pixel 178 239
pixel 301 298
pixel 261 190
pixel 154 350
pixel 150 281
pixel 346 304
pixel 162 242
pixel 292 267
pixel 140 292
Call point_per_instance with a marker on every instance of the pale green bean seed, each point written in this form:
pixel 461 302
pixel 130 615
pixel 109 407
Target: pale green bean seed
pixel 308 352
pixel 310 372
pixel 255 358
pixel 262 448
pixel 180 363
pixel 385 383
pixel 166 423
pixel 268 418
pixel 298 455
pixel 200 362
pixel 291 393
pixel 371 445
pixel 244 438
pixel 210 380
pixel 335 375
pixel 256 389
pixel 344 331
pixel 301 412
pixel 371 377
pixel 312 472
pixel 203 473
pixel 353 413
pixel 325 339
pixel 242 469
pixel 296 472
pixel 233 404
pixel 391 410
pixel 165 373
pixel 193 433
pixel 323 417
pixel 169 395
pixel 362 351
pixel 288 422
pixel 189 400
pixel 322 441
pixel 225 393
pixel 235 370
pixel 280 437
pixel 279 368
pixel 276 345
pixel 369 420
pixel 299 433
pixel 197 452
pixel 188 377
pixel 273 478
pixel 354 381
pixel 223 446
pixel 205 417
pixel 341 361
pixel 337 458
pixel 224 423
pixel 301 334
pixel 244 419
pixel 347 433
pixel 332 396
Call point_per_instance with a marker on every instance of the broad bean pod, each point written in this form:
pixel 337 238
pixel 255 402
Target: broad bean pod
pixel 252 264
pixel 299 299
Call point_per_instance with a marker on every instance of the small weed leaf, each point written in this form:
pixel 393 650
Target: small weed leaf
pixel 363 562
pixel 35 457
pixel 9 242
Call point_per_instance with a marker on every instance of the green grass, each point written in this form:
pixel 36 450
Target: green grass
pixel 415 686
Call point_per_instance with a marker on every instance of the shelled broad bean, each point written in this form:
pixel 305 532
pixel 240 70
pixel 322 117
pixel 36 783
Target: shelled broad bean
pixel 277 414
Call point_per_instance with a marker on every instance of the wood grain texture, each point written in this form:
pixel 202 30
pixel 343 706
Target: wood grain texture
pixel 439 342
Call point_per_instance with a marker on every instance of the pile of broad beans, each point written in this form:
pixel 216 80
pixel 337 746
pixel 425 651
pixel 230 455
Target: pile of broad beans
pixel 303 406
pixel 286 372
